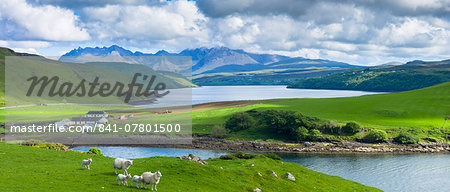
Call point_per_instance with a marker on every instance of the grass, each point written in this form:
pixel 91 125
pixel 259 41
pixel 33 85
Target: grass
pixel 423 110
pixel 419 111
pixel 34 169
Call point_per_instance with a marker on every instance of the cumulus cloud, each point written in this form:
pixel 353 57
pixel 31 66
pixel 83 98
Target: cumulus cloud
pixel 354 31
pixel 167 22
pixel 24 21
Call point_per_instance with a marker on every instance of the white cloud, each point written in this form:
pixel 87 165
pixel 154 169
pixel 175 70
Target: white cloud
pixel 354 31
pixel 148 23
pixel 25 21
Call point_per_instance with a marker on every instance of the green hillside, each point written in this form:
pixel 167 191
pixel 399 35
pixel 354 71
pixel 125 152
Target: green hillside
pixel 73 72
pixel 419 111
pixel 283 72
pixel 262 77
pixel 29 168
pixel 412 75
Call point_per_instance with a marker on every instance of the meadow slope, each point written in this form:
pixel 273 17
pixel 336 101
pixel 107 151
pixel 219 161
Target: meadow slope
pixel 423 110
pixel 36 169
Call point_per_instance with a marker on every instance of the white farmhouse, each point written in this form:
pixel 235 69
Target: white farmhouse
pixel 96 114
pixel 88 120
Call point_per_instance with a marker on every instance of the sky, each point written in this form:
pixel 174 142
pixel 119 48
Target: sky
pixel 362 32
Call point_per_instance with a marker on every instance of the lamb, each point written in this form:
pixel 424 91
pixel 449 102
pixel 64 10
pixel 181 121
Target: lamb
pixel 122 164
pixel 151 178
pixel 121 178
pixel 86 163
pixel 138 180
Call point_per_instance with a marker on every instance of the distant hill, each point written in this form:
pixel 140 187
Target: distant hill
pixel 412 75
pixel 204 60
pixel 75 72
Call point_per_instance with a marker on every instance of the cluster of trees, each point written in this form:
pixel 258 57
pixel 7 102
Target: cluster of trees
pixel 294 126
pixel 378 79
pixel 290 125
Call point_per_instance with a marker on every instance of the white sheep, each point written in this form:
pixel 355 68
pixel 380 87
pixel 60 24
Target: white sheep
pixel 86 163
pixel 123 178
pixel 122 164
pixel 138 180
pixel 151 178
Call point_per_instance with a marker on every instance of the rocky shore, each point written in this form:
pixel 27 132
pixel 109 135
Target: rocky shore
pixel 305 147
pixel 335 147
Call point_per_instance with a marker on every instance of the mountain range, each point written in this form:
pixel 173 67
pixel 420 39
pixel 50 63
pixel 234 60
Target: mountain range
pixel 204 60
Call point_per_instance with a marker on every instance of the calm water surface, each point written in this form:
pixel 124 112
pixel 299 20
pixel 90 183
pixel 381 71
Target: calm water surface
pixel 406 172
pixel 205 94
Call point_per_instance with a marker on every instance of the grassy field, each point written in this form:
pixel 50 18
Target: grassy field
pixel 33 169
pixel 423 110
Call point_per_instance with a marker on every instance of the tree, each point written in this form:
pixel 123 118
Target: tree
pixel 375 135
pixel 239 121
pixel 218 131
pixel 406 138
pixel 315 135
pixel 301 134
pixel 351 128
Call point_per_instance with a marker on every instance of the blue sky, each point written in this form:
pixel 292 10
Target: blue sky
pixel 353 31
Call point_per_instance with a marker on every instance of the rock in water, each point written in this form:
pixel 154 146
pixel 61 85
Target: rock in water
pixel 290 176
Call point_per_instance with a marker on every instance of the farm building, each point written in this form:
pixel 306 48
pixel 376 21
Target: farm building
pixel 88 120
pixel 96 114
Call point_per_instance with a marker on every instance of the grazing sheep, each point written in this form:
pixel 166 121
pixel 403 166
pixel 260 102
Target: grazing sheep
pixel 138 180
pixel 122 164
pixel 123 178
pixel 151 178
pixel 86 163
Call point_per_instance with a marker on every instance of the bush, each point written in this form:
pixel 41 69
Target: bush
pixel 32 142
pixel 218 131
pixel 40 144
pixel 286 123
pixel 95 151
pixel 406 138
pixel 374 136
pixel 273 156
pixel 239 155
pixel 301 134
pixel 351 128
pixel 239 121
pixel 315 135
pixel 331 127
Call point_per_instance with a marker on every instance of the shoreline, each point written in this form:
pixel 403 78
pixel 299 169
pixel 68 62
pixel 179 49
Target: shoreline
pixel 305 147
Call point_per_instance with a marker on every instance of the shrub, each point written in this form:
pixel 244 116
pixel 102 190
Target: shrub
pixel 351 128
pixel 406 138
pixel 218 131
pixel 301 134
pixel 375 135
pixel 287 122
pixel 315 135
pixel 239 121
pixel 53 146
pixel 273 156
pixel 239 155
pixel 95 151
pixel 32 142
pixel 331 127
